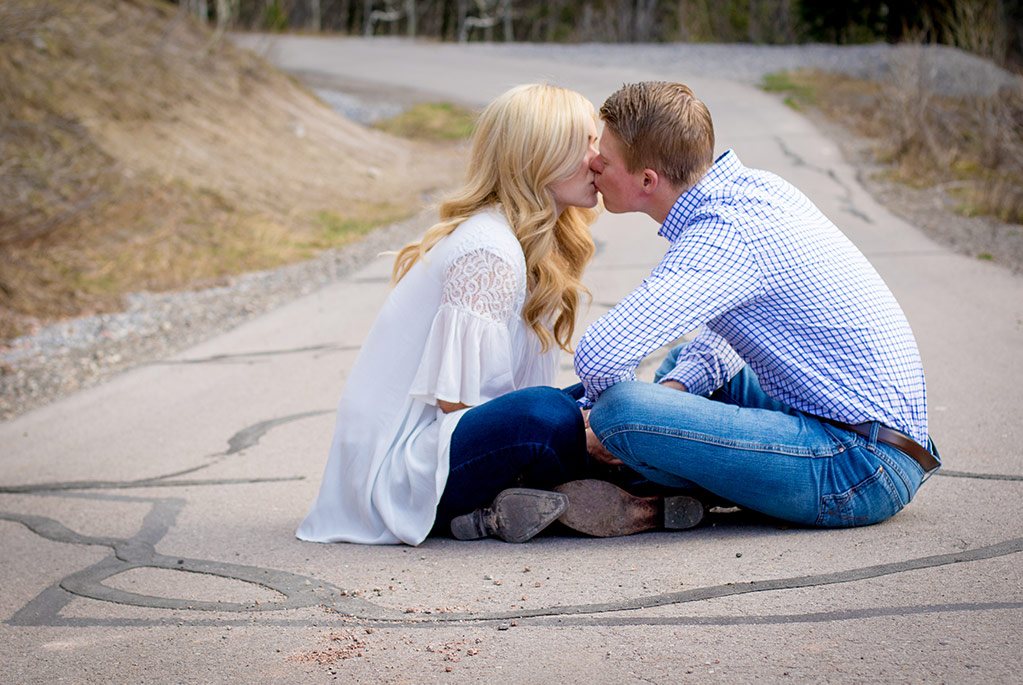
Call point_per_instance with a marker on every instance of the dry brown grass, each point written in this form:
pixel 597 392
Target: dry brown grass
pixel 136 153
pixel 972 147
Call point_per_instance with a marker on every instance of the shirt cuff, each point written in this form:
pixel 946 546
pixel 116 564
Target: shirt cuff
pixel 693 376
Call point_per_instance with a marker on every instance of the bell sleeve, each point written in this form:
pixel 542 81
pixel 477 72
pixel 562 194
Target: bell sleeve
pixel 468 354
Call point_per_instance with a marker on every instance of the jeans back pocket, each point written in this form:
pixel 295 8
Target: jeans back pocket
pixel 872 500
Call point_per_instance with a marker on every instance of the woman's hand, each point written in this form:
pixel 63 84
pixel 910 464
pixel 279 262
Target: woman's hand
pixel 594 446
pixel 448 407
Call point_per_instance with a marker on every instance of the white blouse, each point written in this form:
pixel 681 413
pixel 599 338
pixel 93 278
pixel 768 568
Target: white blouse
pixel 450 330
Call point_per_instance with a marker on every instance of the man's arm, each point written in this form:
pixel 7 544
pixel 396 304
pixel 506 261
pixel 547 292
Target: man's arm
pixel 667 305
pixel 704 364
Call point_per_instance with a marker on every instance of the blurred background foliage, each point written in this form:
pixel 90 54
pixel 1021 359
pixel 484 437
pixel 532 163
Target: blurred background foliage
pixel 989 28
pixel 141 151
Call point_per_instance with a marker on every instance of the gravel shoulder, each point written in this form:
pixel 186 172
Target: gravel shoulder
pixel 64 358
pixel 72 355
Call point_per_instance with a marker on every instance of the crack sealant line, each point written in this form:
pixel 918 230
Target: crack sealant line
pixel 979 476
pixel 302 591
pixel 249 437
pixel 240 441
pixel 157 482
pixel 605 620
pixel 1007 547
pixel 249 356
pixel 596 621
pixel 850 205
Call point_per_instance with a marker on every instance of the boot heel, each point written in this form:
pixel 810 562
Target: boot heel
pixel 469 526
pixel 682 512
pixel 515 515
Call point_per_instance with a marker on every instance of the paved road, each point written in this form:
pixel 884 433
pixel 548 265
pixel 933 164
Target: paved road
pixel 147 523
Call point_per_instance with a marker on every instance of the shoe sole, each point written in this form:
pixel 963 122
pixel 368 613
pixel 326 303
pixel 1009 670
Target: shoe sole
pixel 519 514
pixel 515 515
pixel 602 509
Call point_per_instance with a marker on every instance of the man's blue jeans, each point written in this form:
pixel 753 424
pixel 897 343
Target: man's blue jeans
pixel 532 437
pixel 752 450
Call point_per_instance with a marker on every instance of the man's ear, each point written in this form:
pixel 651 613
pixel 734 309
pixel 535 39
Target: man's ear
pixel 650 181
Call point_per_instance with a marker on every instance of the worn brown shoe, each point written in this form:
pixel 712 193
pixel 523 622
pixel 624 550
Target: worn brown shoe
pixel 515 515
pixel 603 509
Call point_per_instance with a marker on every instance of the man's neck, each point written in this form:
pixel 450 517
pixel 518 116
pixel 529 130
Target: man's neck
pixel 661 204
pixel 663 201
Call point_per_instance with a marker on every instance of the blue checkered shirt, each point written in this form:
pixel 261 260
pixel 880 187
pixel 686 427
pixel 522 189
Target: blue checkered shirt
pixel 765 279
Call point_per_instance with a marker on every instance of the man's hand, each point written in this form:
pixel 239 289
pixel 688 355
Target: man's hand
pixel 674 385
pixel 594 446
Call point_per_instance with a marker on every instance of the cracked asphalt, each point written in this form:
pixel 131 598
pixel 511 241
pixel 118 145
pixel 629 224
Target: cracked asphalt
pixel 147 523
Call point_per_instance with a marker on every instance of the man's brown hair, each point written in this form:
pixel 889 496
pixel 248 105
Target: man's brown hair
pixel 663 127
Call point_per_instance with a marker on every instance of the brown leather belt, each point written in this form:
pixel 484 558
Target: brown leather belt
pixel 894 438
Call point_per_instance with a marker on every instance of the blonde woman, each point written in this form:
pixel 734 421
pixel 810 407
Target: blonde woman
pixel 448 407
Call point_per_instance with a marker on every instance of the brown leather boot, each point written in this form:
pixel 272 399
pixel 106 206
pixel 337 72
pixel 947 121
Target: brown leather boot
pixel 602 509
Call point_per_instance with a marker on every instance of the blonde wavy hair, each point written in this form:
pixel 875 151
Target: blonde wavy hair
pixel 527 139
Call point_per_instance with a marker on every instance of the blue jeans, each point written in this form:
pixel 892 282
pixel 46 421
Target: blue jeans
pixel 750 449
pixel 532 437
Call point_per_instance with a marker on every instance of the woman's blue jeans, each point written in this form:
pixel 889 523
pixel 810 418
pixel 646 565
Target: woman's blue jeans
pixel 750 449
pixel 532 437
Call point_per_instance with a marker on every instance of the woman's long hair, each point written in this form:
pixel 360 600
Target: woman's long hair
pixel 528 139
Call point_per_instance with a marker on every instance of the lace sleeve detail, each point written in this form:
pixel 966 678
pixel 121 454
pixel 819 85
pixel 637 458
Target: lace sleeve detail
pixel 482 283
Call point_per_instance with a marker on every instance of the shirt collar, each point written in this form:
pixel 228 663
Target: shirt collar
pixel 725 168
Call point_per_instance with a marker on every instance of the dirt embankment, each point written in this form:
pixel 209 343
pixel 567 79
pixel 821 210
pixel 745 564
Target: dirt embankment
pixel 140 152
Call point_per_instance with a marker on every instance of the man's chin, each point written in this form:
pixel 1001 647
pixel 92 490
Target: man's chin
pixel 612 208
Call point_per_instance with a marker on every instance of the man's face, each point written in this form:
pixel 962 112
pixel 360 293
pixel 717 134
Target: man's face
pixel 621 189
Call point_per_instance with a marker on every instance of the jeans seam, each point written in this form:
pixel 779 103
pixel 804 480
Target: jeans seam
pixel 704 439
pixel 895 467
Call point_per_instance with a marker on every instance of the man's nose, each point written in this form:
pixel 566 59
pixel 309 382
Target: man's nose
pixel 596 166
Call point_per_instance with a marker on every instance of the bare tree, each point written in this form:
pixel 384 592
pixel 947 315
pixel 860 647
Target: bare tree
pixel 391 13
pixel 225 15
pixel 643 20
pixel 488 14
pixel 199 8
pixel 314 10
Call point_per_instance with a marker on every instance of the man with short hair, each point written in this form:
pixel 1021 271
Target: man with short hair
pixel 802 394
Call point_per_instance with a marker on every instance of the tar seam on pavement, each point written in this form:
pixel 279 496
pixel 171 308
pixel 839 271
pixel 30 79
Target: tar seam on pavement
pixel 302 591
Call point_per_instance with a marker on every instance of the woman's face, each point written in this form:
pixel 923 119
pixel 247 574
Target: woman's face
pixel 578 190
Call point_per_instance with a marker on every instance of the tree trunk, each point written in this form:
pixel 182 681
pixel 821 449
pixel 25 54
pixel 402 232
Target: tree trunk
pixel 315 21
pixel 463 10
pixel 644 20
pixel 410 14
pixel 225 14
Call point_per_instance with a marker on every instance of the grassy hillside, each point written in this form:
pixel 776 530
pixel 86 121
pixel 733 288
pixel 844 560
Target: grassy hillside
pixel 139 153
